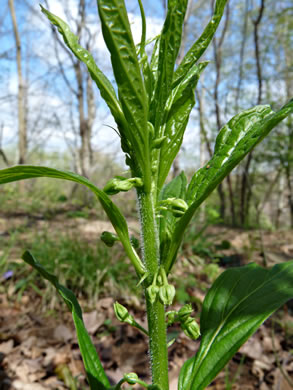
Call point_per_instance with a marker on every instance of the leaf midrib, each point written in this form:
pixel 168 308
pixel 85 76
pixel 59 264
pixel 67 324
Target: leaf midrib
pixel 223 322
pixel 123 64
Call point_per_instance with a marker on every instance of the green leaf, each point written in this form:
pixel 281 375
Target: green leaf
pixel 131 90
pixel 143 30
pixel 154 63
pixel 94 369
pixel 104 85
pixel 235 140
pixel 177 111
pixel 143 62
pixel 176 188
pixel 22 172
pixel 200 46
pixel 147 76
pixel 170 41
pixel 239 301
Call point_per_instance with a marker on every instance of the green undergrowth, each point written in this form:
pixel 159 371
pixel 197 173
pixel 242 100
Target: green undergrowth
pixel 47 199
pixel 89 269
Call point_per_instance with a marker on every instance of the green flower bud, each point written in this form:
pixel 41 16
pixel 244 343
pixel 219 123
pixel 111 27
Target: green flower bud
pixel 157 143
pixel 176 205
pixel 120 183
pixel 131 378
pixel 191 328
pixel 122 313
pixel 179 206
pixel 171 316
pixel 155 166
pixel 109 238
pixel 167 294
pixel 184 312
pixel 152 292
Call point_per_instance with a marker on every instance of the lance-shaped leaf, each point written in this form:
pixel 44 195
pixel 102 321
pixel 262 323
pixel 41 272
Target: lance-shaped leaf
pixel 104 85
pixel 143 30
pixel 200 46
pixel 178 108
pixel 241 134
pixel 154 63
pixel 94 369
pixel 131 90
pixel 239 301
pixel 170 41
pixel 143 61
pixel 22 172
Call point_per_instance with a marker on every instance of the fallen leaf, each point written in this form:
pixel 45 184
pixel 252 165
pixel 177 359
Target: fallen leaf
pixel 252 348
pixel 93 321
pixel 62 333
pixel 19 385
pixel 6 347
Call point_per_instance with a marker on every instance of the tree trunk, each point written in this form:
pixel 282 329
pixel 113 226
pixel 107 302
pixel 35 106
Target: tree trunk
pixel 217 45
pixel 85 125
pixel 289 90
pixel 288 171
pixel 203 142
pixel 204 138
pixel 176 164
pixel 280 201
pixel 267 195
pixel 22 130
pixel 245 193
pixel 2 153
pixel 242 50
pixel 244 185
pixel 231 198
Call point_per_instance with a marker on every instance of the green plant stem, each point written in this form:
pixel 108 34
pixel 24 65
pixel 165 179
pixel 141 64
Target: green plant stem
pixel 139 327
pixel 158 344
pixel 156 311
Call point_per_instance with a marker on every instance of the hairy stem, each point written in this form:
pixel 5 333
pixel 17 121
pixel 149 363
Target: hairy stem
pixel 155 311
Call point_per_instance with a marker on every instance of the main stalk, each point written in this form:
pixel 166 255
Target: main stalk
pixel 155 312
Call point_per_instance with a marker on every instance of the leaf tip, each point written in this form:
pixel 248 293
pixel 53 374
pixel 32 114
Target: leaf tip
pixel 43 9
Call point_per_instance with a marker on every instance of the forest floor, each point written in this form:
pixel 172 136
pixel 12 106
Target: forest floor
pixel 38 346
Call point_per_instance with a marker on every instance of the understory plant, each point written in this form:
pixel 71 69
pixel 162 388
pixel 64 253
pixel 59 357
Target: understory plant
pixel 151 103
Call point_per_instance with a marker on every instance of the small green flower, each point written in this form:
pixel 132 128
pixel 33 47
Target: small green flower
pixel 131 378
pixel 109 238
pixel 157 143
pixel 152 292
pixel 171 317
pixel 167 294
pixel 191 328
pixel 184 312
pixel 122 313
pixel 176 205
pixel 120 183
